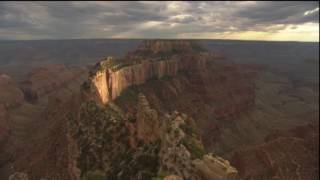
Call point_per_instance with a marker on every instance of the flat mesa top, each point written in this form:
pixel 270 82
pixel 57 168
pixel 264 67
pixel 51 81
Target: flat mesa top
pixel 168 46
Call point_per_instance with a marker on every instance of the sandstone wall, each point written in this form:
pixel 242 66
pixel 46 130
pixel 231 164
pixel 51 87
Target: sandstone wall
pixel 109 84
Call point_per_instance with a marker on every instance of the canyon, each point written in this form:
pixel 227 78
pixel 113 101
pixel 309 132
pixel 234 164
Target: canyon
pixel 170 109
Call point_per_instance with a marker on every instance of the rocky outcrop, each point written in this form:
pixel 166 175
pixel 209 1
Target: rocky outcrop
pixel 212 167
pixel 109 82
pixel 18 176
pixel 231 97
pixel 182 152
pixel 147 122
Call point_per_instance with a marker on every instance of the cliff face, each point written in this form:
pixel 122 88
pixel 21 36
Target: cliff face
pixel 109 84
pixel 146 142
pixel 182 77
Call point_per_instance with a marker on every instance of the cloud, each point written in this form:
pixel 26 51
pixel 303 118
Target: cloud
pixel 169 19
pixel 280 12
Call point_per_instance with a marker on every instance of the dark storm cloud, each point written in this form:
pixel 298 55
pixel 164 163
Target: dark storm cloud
pixel 36 20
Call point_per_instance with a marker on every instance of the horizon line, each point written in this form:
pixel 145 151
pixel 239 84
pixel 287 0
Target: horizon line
pixel 51 39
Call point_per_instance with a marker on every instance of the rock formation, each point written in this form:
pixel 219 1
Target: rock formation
pixel 18 176
pixel 148 127
pixel 212 167
pixel 150 145
pixel 172 140
pixel 182 152
pixel 110 81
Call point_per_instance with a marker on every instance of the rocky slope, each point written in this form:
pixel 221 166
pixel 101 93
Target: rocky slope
pixel 148 145
pixel 172 142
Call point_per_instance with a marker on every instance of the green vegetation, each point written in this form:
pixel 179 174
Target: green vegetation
pixel 195 150
pixel 161 175
pixel 146 175
pixel 188 129
pixel 128 96
pixel 152 79
pixel 132 119
pixel 167 78
pixel 142 162
pixel 198 47
pixel 108 63
pixel 176 132
pixel 86 85
pixel 94 175
pixel 97 128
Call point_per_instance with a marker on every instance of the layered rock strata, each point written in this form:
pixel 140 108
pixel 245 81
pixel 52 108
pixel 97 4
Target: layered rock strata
pixel 109 84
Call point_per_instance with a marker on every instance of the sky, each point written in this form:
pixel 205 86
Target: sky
pixel 243 20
